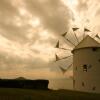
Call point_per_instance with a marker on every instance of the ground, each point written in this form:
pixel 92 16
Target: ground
pixel 22 94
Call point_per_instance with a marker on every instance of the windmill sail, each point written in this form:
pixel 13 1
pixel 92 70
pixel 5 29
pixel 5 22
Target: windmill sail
pixel 65 70
pixel 65 49
pixel 75 29
pixel 70 42
pixel 85 30
pixel 64 34
pixel 69 66
pixel 57 45
pixel 97 36
pixel 57 58
pixel 62 69
pixel 66 57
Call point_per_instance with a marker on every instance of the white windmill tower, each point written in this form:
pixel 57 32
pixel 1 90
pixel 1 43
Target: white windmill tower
pixel 86 63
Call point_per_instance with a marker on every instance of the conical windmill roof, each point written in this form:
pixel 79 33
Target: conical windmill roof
pixel 87 42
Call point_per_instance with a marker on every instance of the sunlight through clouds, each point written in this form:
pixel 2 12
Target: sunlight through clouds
pixel 34 22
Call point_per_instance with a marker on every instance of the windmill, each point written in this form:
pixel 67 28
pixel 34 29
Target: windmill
pixel 85 61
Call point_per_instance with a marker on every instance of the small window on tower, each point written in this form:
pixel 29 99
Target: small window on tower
pixel 99 60
pixel 83 84
pixel 73 83
pixel 94 49
pixel 76 67
pixel 94 88
pixel 85 67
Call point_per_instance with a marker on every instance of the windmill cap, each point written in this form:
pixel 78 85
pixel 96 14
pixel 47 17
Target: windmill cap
pixel 87 42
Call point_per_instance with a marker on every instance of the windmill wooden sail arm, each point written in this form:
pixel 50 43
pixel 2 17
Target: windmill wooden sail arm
pixel 65 70
pixel 58 46
pixel 58 58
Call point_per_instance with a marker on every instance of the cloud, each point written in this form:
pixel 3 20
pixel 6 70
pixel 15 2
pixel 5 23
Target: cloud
pixel 88 13
pixel 29 30
pixel 82 5
pixel 19 17
pixel 53 15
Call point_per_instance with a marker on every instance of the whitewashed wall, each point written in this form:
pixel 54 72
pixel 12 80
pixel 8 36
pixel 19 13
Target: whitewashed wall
pixel 88 81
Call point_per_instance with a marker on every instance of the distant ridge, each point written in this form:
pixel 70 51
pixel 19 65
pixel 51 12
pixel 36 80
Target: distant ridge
pixel 20 78
pixel 24 83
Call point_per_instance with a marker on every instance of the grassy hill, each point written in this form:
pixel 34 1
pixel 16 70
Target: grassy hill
pixel 22 94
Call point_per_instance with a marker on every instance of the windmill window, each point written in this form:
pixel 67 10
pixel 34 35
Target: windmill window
pixel 83 84
pixel 94 49
pixel 73 83
pixel 76 67
pixel 94 88
pixel 99 60
pixel 85 67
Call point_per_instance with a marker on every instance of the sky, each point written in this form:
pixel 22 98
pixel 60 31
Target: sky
pixel 30 29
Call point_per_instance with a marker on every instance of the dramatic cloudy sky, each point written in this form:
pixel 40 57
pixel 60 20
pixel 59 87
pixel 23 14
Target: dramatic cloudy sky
pixel 29 30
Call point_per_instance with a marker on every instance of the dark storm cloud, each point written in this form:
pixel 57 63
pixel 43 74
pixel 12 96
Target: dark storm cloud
pixel 54 17
pixel 8 16
pixel 53 14
pixel 13 33
pixel 7 13
pixel 7 8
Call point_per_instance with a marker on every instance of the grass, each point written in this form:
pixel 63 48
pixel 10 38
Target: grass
pixel 22 94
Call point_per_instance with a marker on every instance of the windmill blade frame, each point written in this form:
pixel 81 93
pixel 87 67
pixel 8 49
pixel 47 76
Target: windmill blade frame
pixel 57 45
pixel 66 57
pixel 70 42
pixel 97 36
pixel 65 70
pixel 62 69
pixel 75 29
pixel 65 49
pixel 57 58
pixel 69 66
pixel 64 34
pixel 85 30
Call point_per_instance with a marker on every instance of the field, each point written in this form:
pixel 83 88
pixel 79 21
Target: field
pixel 22 94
